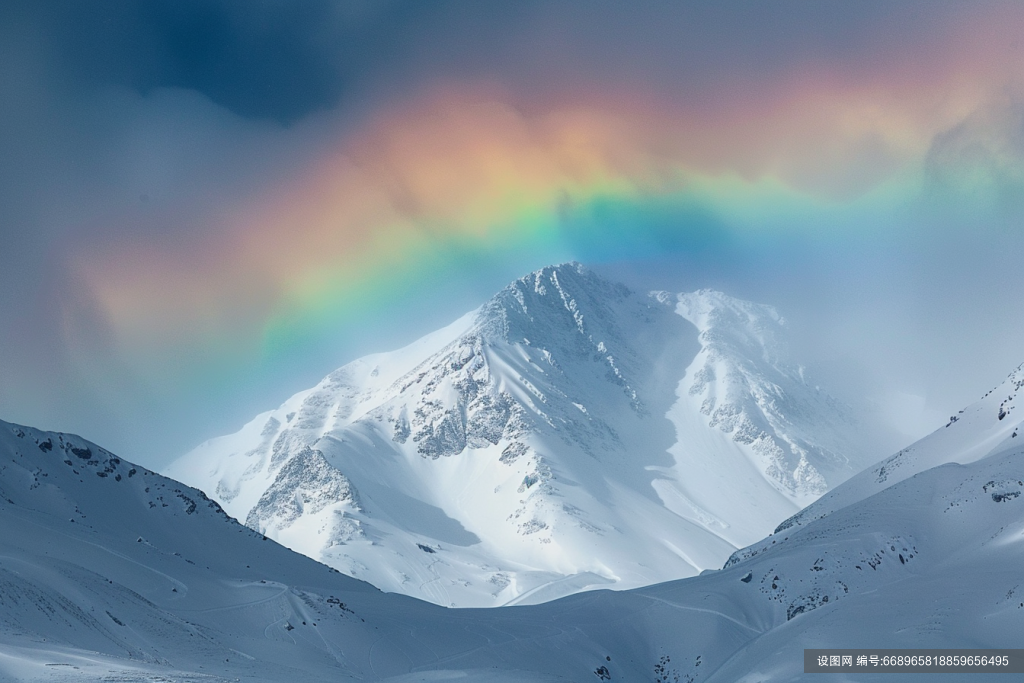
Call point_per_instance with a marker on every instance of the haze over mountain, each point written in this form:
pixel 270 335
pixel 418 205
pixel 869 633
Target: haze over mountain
pixel 112 572
pixel 568 434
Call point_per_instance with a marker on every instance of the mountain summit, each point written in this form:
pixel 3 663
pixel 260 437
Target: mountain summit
pixel 568 434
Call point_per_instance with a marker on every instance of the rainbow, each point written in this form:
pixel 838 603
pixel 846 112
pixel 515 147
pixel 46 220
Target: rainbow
pixel 477 173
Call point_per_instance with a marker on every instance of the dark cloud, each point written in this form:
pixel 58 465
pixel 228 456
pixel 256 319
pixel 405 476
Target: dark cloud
pixel 259 59
pixel 282 60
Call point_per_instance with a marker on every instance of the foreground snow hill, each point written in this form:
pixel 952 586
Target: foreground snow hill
pixel 569 434
pixel 111 572
pixel 988 426
pixel 106 567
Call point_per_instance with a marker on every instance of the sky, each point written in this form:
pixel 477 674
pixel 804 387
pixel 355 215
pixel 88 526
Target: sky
pixel 206 206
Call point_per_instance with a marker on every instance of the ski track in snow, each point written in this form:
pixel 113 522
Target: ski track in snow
pixel 52 532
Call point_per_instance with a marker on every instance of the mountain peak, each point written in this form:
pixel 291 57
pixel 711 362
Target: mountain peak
pixel 567 297
pixel 571 433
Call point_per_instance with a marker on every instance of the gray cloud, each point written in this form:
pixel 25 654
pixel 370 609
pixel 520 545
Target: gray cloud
pixel 982 155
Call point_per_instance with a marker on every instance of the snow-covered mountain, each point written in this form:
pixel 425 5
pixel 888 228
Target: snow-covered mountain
pixel 111 572
pixel 569 434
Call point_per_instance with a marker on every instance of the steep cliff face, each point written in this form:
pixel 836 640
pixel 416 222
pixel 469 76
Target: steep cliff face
pixel 570 433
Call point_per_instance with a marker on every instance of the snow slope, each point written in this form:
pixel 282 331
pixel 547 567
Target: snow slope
pixel 111 572
pixel 988 426
pixel 108 569
pixel 570 434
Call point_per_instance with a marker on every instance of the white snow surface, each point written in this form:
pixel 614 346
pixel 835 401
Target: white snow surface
pixel 984 428
pixel 568 435
pixel 111 572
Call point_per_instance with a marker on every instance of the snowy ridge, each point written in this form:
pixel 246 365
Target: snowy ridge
pixel 109 571
pixel 306 484
pixel 748 389
pixel 569 434
pixel 988 426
